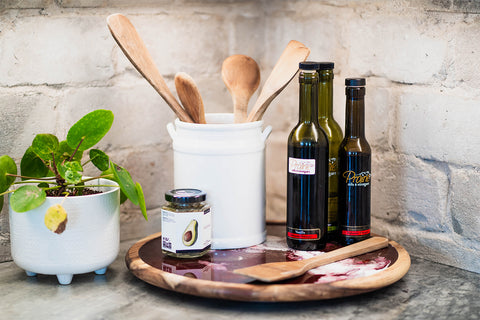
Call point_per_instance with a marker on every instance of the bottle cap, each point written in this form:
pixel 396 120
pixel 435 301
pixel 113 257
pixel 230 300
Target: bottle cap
pixel 355 82
pixel 185 196
pixel 325 65
pixel 309 65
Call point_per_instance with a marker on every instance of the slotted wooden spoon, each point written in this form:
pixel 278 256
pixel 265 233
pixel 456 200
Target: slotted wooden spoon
pixel 276 271
pixel 241 76
pixel 190 97
pixel 135 50
pixel 282 73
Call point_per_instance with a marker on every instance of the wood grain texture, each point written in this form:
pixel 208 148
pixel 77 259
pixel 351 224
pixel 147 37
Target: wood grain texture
pixel 190 97
pixel 135 50
pixel 241 76
pixel 275 292
pixel 276 271
pixel 282 73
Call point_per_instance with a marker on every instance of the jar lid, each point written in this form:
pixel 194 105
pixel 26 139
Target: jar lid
pixel 185 195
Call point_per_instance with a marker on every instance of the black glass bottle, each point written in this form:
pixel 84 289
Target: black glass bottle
pixel 355 167
pixel 307 176
pixel 335 136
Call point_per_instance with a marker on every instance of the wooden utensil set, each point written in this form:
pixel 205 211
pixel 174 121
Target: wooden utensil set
pixel 240 74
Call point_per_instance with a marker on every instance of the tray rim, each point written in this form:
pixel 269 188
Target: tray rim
pixel 264 292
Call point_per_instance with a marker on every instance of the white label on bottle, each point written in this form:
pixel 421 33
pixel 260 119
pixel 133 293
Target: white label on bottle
pixel 186 231
pixel 301 166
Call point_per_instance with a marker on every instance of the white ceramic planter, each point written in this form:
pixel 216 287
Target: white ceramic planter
pixel 89 243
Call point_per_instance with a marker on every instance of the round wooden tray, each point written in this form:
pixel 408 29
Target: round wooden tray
pixel 210 276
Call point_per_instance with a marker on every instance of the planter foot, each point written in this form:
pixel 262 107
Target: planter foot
pixel 64 278
pixel 30 273
pixel 101 271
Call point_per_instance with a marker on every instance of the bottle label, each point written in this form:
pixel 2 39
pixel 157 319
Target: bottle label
pixel 354 179
pixel 304 234
pixel 332 166
pixel 184 232
pixel 355 231
pixel 301 166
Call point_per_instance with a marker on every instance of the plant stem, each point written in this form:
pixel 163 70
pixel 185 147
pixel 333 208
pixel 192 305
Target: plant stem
pixel 25 177
pixel 74 152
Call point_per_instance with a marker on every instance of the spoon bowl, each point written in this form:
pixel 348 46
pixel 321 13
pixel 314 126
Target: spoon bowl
pixel 241 76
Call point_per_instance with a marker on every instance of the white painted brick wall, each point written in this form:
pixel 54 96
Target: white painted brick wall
pixel 421 60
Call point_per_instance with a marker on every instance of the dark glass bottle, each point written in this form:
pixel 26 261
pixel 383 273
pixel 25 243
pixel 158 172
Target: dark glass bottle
pixel 334 134
pixel 355 168
pixel 307 177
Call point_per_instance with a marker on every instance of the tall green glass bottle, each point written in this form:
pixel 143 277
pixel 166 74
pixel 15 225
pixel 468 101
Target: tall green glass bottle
pixel 307 176
pixel 335 136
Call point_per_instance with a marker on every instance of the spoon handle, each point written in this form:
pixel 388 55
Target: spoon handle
pixel 135 50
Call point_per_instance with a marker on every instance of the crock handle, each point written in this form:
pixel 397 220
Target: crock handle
pixel 171 130
pixel 266 132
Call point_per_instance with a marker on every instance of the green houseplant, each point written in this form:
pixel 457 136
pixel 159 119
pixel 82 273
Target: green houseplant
pixel 50 191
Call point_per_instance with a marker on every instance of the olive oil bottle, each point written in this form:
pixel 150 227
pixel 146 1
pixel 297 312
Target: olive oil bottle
pixel 307 176
pixel 334 134
pixel 355 167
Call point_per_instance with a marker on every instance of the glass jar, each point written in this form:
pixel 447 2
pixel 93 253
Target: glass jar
pixel 186 224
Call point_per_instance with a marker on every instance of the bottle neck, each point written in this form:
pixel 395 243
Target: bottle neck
pixel 325 94
pixel 308 96
pixel 355 112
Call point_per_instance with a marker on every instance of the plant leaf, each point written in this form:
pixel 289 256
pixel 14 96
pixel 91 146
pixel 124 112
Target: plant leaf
pixel 124 180
pixel 109 173
pixel 32 166
pixel 3 183
pixel 45 145
pixel 100 159
pixel 1 203
pixel 7 165
pixel 27 198
pixel 141 200
pixel 70 171
pixel 56 218
pixel 64 153
pixel 90 129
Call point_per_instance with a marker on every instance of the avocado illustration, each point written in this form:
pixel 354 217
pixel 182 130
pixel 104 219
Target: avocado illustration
pixel 190 234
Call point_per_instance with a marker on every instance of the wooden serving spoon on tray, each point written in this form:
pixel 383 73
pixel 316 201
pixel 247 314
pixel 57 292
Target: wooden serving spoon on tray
pixel 276 271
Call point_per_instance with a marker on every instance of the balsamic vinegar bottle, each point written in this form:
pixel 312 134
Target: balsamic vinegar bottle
pixel 334 133
pixel 355 168
pixel 307 184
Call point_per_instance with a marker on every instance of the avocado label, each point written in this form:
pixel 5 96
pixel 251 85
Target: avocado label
pixel 184 232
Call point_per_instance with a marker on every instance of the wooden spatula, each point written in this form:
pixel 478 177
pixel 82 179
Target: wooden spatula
pixel 282 73
pixel 135 50
pixel 276 271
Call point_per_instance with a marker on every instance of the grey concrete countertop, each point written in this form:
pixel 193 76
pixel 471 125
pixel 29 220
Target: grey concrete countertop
pixel 428 291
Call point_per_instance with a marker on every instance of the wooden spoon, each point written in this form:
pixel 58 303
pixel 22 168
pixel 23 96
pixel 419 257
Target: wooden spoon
pixel 135 50
pixel 190 97
pixel 282 73
pixel 241 76
pixel 276 271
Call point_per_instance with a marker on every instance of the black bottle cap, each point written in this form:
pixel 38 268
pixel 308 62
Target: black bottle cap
pixel 185 196
pixel 309 65
pixel 355 82
pixel 325 65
